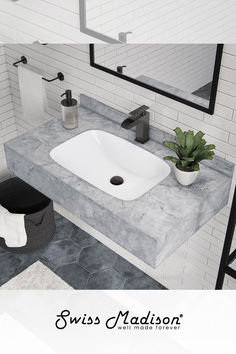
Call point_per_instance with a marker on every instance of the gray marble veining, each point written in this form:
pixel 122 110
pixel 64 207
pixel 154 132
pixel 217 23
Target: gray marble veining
pixel 150 227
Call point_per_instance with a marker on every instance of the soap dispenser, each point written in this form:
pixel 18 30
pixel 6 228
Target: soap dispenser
pixel 69 111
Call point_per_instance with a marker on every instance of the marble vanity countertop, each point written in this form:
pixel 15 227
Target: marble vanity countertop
pixel 150 227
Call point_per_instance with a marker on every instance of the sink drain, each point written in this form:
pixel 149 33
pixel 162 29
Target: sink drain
pixel 117 180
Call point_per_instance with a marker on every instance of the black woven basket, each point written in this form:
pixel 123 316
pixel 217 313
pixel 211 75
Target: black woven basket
pixel 20 198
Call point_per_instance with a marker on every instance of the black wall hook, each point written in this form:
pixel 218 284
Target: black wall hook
pixel 60 76
pixel 23 60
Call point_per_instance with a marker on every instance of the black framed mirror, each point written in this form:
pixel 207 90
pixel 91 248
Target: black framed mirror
pixel 187 73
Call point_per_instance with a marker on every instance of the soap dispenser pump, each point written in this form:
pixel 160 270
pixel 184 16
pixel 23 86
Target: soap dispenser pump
pixel 69 111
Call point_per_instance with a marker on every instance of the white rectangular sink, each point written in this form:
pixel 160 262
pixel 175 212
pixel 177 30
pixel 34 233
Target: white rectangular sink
pixel 111 164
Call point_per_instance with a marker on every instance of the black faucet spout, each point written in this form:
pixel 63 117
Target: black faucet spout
pixel 138 118
pixel 128 123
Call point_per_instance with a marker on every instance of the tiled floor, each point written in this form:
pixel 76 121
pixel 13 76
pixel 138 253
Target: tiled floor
pixel 80 260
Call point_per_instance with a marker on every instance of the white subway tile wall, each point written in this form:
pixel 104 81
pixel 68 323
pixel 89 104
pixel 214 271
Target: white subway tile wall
pixel 7 117
pixel 195 264
pixel 170 21
pixel 173 21
pixel 186 67
pixel 42 20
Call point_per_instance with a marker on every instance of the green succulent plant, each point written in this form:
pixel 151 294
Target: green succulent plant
pixel 190 150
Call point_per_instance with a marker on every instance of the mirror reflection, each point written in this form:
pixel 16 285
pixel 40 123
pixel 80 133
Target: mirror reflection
pixel 184 70
pixel 113 18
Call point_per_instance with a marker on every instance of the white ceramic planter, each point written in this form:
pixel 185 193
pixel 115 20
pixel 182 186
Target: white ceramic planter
pixel 185 178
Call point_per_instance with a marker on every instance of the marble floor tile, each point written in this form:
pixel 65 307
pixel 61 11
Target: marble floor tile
pixel 74 275
pixel 127 269
pixel 97 257
pixel 9 266
pixel 64 229
pixel 82 238
pixel 62 252
pixel 106 279
pixel 143 283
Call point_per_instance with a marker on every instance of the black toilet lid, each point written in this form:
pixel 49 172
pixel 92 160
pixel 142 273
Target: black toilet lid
pixel 20 198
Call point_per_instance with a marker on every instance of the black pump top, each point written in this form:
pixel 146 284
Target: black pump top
pixel 68 101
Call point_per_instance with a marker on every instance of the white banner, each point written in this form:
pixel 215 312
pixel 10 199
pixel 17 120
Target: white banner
pixel 132 322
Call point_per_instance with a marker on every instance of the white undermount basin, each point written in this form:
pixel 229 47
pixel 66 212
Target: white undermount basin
pixel 96 156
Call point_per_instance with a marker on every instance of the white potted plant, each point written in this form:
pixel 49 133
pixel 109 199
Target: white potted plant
pixel 190 150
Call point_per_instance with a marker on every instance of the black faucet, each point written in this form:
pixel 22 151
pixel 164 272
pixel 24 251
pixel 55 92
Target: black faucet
pixel 139 118
pixel 123 36
pixel 120 68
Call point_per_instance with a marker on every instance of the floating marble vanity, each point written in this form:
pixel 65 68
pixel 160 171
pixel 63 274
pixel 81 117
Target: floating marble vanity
pixel 150 227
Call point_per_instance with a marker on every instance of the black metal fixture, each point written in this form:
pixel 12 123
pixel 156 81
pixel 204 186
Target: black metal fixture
pixel 138 118
pixel 84 25
pixel 37 42
pixel 117 180
pixel 23 60
pixel 60 76
pixel 227 258
pixel 123 36
pixel 120 68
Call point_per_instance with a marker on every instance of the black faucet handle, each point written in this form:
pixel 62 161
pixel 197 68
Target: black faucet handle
pixel 138 112
pixel 120 68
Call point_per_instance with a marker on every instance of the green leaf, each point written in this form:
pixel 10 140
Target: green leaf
pixel 188 158
pixel 205 155
pixel 171 145
pixel 184 163
pixel 189 139
pixel 199 149
pixel 201 143
pixel 197 138
pixel 184 152
pixel 171 158
pixel 195 167
pixel 210 147
pixel 180 137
